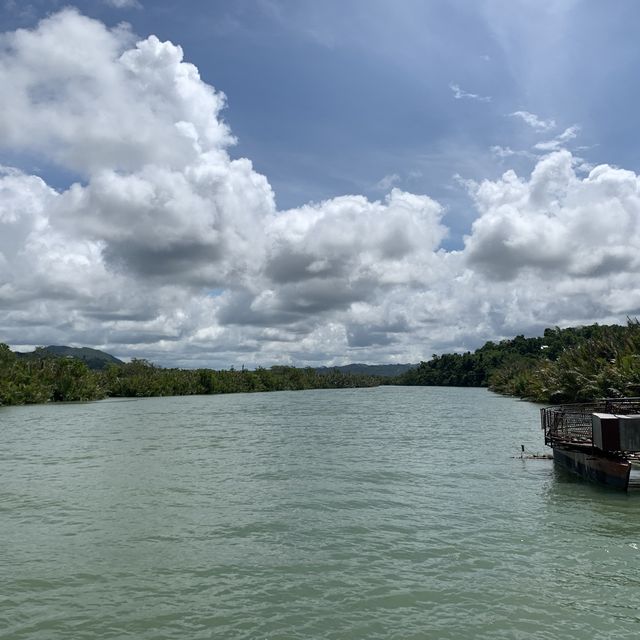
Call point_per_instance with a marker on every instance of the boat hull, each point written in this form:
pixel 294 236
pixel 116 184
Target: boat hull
pixel 596 468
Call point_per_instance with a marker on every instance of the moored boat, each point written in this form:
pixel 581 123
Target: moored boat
pixel 597 441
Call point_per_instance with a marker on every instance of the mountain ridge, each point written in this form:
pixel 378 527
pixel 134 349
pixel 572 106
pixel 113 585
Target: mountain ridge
pixel 382 370
pixel 93 358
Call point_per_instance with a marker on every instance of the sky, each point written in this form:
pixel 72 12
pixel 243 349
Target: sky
pixel 260 182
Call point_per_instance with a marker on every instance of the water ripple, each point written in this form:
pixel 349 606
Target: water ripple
pixel 356 514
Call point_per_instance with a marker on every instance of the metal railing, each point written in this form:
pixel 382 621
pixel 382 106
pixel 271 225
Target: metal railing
pixel 622 406
pixel 571 423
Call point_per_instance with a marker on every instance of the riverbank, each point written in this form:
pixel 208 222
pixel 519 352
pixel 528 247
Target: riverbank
pixel 55 379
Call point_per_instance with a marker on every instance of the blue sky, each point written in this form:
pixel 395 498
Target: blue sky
pixel 330 99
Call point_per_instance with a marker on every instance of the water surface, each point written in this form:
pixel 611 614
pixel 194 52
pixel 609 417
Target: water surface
pixel 352 514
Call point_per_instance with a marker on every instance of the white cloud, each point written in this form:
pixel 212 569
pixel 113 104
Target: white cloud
pixel 124 4
pixel 461 94
pixel 502 152
pixel 508 152
pixel 169 249
pixel 534 121
pixel 388 181
pixel 558 142
pixel 557 222
pixel 102 105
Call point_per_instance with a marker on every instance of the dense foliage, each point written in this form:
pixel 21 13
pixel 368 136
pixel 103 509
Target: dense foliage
pixel 564 365
pixel 51 378
pixel 140 378
pixel 602 362
pixel 44 379
pixel 473 369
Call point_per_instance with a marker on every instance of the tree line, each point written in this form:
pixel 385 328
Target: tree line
pixel 577 364
pixel 54 379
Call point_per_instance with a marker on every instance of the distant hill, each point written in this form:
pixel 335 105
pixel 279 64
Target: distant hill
pixel 93 358
pixel 383 370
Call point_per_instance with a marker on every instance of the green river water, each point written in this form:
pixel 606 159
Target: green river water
pixel 355 514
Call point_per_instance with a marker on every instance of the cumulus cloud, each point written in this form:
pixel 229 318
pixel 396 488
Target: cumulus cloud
pixel 168 248
pixel 162 197
pixel 79 95
pixel 323 259
pixel 195 226
pixel 556 222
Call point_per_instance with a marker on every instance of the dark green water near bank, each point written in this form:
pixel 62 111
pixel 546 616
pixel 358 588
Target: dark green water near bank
pixel 354 514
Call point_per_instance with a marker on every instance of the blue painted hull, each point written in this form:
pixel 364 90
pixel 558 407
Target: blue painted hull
pixel 584 462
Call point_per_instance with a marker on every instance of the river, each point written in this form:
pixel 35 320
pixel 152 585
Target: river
pixel 391 513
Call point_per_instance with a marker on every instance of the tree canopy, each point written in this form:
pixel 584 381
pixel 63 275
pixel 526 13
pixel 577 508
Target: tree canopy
pixel 54 378
pixel 564 365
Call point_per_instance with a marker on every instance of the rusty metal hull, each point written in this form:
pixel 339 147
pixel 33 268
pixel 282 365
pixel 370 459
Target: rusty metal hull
pixel 588 464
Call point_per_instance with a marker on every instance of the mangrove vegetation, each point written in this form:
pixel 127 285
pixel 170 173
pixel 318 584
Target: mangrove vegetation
pixel 47 376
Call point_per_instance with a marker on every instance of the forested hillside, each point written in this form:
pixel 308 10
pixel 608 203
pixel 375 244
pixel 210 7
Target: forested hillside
pixel 93 358
pixel 564 365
